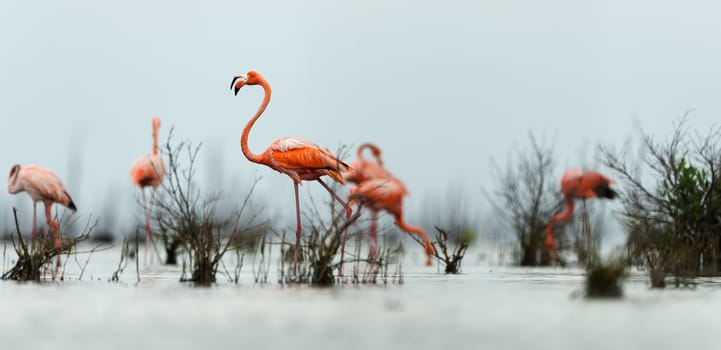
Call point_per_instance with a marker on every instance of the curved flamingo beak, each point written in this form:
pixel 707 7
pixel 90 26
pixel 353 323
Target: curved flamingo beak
pixel 238 82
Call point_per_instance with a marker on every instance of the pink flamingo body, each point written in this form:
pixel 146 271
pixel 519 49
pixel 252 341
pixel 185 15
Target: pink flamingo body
pixel 578 184
pixel 364 170
pixel 300 159
pixel 148 171
pixel 42 185
pixel 387 194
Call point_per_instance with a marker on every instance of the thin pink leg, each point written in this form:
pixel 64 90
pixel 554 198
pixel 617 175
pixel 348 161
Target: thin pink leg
pixel 53 225
pixel 34 230
pixel 586 223
pixel 147 225
pixel 297 229
pixel 586 228
pixel 348 213
pixel 374 235
pixel 148 231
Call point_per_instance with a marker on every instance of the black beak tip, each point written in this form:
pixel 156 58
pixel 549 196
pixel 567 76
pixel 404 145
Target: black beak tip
pixel 236 91
pixel 232 82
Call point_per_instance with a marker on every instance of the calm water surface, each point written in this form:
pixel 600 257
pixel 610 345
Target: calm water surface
pixel 484 308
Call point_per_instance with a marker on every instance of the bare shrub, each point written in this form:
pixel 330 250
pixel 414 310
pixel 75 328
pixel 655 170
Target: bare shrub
pixel 671 213
pixel 318 251
pixel 525 200
pixel 33 261
pixel 452 247
pixel 123 263
pixel 191 220
pixel 171 243
pixel 455 222
pixel 323 244
pixel 261 263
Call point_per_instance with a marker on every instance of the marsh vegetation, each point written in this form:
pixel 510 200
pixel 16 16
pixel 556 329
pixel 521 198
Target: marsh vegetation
pixel 672 203
pixel 670 197
pixel 190 220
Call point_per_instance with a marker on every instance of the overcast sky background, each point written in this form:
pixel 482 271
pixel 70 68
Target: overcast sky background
pixel 442 87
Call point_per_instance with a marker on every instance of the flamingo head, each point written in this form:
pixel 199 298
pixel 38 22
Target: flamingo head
pixel 13 179
pixel 156 123
pixel 377 153
pixel 250 78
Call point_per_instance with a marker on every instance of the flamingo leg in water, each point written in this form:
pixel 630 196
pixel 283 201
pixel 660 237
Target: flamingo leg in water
pixel 34 229
pixel 297 229
pixel 147 225
pixel 551 246
pixel 148 233
pixel 53 225
pixel 587 232
pixel 374 235
pixel 348 213
pixel 584 223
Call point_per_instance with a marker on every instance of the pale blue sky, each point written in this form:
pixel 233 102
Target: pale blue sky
pixel 442 87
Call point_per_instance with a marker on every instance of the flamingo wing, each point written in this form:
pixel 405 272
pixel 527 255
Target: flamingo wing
pixel 305 158
pixel 43 184
pixel 382 192
pixel 147 170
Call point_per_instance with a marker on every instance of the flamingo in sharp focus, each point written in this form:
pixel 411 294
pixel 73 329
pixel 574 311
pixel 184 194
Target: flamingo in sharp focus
pixel 148 171
pixel 300 159
pixel 42 185
pixel 578 184
pixel 387 194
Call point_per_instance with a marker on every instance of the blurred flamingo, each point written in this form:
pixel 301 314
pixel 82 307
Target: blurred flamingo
pixel 300 159
pixel 363 169
pixel 42 185
pixel 148 171
pixel 387 194
pixel 578 184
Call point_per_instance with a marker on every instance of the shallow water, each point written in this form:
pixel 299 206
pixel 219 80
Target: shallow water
pixel 486 307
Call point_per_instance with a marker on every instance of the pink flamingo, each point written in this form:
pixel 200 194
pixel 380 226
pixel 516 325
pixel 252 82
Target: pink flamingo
pixel 578 184
pixel 148 171
pixel 364 170
pixel 42 185
pixel 300 159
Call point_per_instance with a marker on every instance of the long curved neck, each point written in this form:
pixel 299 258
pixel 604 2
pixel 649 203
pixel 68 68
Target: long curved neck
pixel 373 148
pixel 256 158
pixel 361 149
pixel 408 228
pixel 417 231
pixel 412 229
pixel 562 216
pixel 155 139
